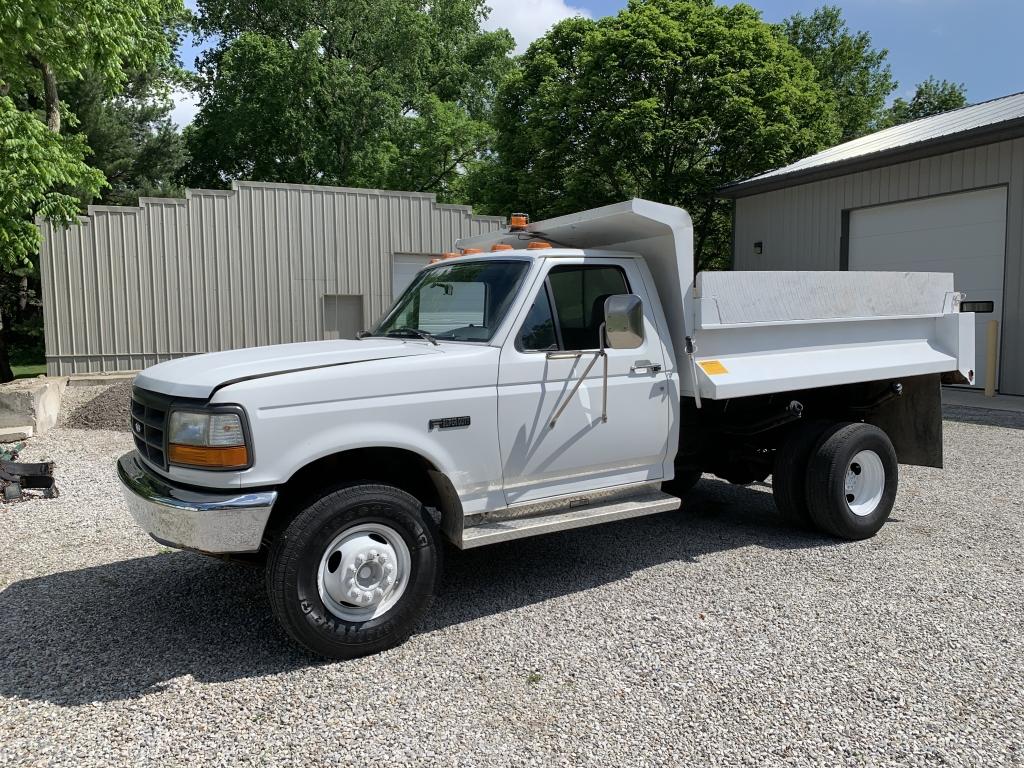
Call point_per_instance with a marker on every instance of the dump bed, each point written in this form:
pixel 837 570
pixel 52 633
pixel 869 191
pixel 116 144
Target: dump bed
pixel 762 332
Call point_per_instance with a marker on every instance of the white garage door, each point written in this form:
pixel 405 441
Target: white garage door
pixel 404 267
pixel 964 234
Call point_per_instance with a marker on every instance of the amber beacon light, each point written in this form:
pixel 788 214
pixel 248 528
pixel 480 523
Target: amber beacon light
pixel 517 222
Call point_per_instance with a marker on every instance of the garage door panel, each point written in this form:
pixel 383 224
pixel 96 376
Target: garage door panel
pixel 404 267
pixel 987 206
pixel 981 244
pixel 962 233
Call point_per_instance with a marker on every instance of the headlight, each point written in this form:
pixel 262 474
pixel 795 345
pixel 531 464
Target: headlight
pixel 210 440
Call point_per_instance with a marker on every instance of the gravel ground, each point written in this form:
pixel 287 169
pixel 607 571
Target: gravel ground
pixel 712 636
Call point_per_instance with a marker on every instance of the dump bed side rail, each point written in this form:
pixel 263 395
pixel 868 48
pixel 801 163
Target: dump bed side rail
pixel 765 332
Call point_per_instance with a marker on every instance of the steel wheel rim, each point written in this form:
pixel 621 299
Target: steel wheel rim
pixel 864 484
pixel 364 572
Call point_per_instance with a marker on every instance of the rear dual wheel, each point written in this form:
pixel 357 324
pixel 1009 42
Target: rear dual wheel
pixel 841 478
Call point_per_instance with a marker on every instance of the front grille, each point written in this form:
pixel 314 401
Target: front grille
pixel 149 418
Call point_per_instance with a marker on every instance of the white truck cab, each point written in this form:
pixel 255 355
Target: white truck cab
pixel 555 375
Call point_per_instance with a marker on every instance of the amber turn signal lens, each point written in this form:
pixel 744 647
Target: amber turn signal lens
pixel 219 457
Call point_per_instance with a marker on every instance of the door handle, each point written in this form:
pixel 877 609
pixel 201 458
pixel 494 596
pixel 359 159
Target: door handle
pixel 645 366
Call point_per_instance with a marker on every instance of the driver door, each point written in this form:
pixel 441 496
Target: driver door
pixel 555 341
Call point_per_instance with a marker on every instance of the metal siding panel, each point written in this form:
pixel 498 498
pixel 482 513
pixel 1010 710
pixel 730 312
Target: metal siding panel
pixel 1012 373
pixel 223 269
pixel 51 306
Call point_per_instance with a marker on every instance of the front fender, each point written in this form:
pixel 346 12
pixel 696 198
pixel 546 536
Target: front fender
pixel 290 437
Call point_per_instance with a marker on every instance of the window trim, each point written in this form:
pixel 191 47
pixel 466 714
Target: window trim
pixel 546 287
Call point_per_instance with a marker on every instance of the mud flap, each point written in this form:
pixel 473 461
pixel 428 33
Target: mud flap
pixel 913 421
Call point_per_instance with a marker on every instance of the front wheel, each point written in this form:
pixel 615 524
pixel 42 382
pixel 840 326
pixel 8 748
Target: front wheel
pixel 355 571
pixel 851 480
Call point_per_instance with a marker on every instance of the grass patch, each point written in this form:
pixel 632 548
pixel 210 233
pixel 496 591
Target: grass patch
pixel 28 371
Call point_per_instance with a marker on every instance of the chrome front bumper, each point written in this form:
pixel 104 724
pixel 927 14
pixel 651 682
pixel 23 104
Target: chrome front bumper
pixel 209 522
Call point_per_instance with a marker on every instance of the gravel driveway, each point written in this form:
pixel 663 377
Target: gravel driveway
pixel 708 636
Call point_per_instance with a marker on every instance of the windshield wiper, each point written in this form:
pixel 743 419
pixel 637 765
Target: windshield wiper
pixel 415 332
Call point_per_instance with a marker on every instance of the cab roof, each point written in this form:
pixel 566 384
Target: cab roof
pixel 521 251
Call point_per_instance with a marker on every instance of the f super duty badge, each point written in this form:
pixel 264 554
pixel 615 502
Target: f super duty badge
pixel 451 422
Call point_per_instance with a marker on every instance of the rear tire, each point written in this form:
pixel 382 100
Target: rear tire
pixel 852 479
pixel 789 476
pixel 355 571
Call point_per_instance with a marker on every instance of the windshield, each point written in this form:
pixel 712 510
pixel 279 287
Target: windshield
pixel 455 302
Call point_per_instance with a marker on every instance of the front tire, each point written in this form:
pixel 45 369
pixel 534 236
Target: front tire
pixel 685 480
pixel 354 572
pixel 852 480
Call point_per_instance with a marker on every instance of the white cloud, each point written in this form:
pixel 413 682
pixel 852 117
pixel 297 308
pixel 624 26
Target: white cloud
pixel 529 19
pixel 186 104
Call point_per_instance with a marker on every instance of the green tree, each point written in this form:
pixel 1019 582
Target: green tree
pixel 932 97
pixel 855 73
pixel 132 139
pixel 373 93
pixel 668 100
pixel 42 172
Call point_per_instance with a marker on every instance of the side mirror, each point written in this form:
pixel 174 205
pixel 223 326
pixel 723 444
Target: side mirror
pixel 624 321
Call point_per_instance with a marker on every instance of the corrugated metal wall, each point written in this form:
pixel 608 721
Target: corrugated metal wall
pixel 132 287
pixel 801 226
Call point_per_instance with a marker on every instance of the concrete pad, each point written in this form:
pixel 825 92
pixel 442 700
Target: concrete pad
pixel 15 434
pixel 99 379
pixel 975 398
pixel 31 403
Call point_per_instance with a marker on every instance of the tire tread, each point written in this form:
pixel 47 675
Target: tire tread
pixel 283 564
pixel 823 475
pixel 789 476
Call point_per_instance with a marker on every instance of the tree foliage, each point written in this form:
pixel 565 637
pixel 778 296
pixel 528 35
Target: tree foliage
pixel 668 100
pixel 48 42
pixel 849 68
pixel 373 93
pixel 132 139
pixel 932 97
pixel 41 173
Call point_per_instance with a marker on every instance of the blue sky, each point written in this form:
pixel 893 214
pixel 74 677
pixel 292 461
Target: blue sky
pixel 975 42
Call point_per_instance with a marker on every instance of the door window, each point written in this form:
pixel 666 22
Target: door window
pixel 538 332
pixel 574 322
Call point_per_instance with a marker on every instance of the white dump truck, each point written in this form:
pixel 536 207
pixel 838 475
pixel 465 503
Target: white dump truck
pixel 551 376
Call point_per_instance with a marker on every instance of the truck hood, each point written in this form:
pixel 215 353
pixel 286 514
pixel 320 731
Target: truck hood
pixel 199 376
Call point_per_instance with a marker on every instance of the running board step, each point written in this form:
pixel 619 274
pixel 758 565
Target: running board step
pixel 648 503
